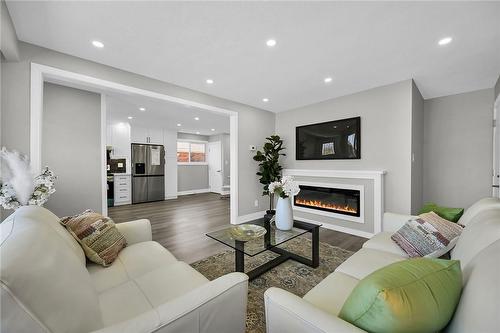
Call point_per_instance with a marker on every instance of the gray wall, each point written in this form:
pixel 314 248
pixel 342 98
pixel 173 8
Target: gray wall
pixel 385 136
pixel 458 148
pixel 497 88
pixel 417 148
pixel 192 177
pixel 71 147
pixel 254 124
pixel 8 38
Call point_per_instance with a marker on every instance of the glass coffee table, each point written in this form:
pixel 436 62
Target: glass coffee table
pixel 269 242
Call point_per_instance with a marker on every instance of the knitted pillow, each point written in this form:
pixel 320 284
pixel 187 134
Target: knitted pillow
pixel 97 235
pixel 429 235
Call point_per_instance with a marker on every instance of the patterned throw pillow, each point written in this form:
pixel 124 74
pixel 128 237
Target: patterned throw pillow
pixel 97 235
pixel 429 235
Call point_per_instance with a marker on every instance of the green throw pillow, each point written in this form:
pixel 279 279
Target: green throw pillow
pixel 451 214
pixel 414 295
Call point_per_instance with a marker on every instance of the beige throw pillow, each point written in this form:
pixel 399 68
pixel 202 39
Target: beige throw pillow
pixel 97 235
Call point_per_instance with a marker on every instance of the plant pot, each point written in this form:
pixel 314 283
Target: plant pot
pixel 284 214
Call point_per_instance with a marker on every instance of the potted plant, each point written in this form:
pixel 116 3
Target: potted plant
pixel 285 188
pixel 269 167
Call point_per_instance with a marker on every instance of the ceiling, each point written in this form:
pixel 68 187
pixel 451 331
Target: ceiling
pixel 359 44
pixel 163 114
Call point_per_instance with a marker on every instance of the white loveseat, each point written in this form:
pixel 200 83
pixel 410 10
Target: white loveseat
pixel 47 286
pixel 478 250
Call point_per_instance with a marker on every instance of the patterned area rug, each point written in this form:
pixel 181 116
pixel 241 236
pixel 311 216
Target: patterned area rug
pixel 290 275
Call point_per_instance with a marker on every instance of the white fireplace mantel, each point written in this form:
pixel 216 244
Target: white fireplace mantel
pixel 377 176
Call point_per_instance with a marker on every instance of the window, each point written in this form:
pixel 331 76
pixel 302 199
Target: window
pixel 191 152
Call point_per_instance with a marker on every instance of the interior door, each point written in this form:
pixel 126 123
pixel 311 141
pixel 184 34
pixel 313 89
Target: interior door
pixel 215 166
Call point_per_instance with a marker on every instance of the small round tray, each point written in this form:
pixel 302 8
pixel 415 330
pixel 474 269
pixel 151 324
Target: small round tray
pixel 246 232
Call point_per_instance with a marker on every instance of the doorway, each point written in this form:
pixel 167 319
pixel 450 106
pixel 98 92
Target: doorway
pixel 215 167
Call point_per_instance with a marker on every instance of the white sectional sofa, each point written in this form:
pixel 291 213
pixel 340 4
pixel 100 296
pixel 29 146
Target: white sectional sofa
pixel 478 250
pixel 47 286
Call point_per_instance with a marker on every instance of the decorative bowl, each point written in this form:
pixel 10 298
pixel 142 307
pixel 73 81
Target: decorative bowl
pixel 246 232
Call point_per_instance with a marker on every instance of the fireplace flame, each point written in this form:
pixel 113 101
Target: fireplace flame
pixel 320 204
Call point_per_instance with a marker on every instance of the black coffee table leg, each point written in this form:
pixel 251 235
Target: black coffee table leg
pixel 315 247
pixel 239 257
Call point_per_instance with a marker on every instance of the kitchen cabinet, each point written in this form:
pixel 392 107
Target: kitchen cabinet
pixel 147 135
pixel 119 139
pixel 122 189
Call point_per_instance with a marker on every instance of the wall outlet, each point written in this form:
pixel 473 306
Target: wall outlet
pixel 252 148
pixel 256 203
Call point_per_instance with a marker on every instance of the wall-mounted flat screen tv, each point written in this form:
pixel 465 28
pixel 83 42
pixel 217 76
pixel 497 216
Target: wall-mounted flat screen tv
pixel 333 140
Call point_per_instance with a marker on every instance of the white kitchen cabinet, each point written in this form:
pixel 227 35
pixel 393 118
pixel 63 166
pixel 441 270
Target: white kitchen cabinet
pixel 120 140
pixel 147 135
pixel 122 189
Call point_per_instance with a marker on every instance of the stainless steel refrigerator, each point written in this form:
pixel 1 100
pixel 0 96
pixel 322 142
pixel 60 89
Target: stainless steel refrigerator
pixel 148 173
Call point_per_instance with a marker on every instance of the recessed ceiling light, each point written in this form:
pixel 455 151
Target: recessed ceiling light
pixel 265 100
pixel 197 132
pixel 98 44
pixel 209 81
pixel 130 117
pixel 444 41
pixel 196 118
pixel 178 125
pixel 213 129
pixel 142 109
pixel 271 42
pixel 327 79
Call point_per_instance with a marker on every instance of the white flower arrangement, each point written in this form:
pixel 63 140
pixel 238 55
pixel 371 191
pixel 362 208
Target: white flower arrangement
pixel 285 188
pixel 17 185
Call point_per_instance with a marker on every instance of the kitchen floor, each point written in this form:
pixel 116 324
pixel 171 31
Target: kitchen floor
pixel 181 224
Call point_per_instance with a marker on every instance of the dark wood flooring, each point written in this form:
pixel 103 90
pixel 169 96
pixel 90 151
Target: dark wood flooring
pixel 181 224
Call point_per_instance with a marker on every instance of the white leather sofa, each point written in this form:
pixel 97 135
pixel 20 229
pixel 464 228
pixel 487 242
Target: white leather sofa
pixel 478 250
pixel 47 286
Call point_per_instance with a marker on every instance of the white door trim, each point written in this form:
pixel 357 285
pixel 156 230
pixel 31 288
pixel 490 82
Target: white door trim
pixel 42 73
pixel 495 181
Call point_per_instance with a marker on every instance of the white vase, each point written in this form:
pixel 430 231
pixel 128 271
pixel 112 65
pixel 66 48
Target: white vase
pixel 284 214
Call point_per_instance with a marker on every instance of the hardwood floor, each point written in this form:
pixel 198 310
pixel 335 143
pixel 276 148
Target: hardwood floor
pixel 181 224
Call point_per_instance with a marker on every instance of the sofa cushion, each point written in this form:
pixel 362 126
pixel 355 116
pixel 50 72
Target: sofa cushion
pixel 97 234
pixel 415 295
pixel 367 261
pixel 133 261
pixel 482 205
pixel 383 242
pixel 330 294
pixel 42 273
pixel 479 307
pixel 146 292
pixel 429 235
pixel 477 236
pixel 450 214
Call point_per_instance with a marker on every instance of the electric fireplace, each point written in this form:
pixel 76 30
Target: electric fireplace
pixel 333 200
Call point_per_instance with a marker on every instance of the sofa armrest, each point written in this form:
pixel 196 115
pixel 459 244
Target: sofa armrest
pixel 135 231
pixel 286 313
pixel 392 221
pixel 217 306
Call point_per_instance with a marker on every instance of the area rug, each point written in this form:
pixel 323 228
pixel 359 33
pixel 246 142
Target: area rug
pixel 292 276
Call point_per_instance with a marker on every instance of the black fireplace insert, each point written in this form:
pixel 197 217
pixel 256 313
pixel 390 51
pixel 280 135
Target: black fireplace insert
pixel 333 200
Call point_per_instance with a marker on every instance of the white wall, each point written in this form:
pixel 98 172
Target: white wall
pixel 71 147
pixel 170 144
pixel 458 148
pixel 385 136
pixel 192 177
pixel 254 124
pixel 8 38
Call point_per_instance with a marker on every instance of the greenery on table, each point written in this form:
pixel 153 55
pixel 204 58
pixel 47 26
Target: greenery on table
pixel 269 166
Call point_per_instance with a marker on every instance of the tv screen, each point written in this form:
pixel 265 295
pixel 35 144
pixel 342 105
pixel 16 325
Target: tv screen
pixel 333 140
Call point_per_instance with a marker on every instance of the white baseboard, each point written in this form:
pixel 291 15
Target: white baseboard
pixel 203 190
pixel 225 192
pixel 170 197
pixel 251 217
pixel 330 226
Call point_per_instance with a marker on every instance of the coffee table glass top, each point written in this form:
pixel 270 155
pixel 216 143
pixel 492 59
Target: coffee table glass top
pixel 260 244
